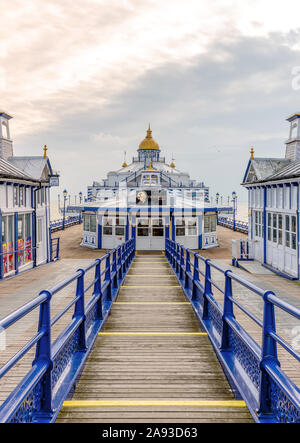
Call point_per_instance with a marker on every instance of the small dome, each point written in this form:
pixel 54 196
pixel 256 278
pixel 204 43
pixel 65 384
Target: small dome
pixel 149 142
pixel 172 165
pixel 124 165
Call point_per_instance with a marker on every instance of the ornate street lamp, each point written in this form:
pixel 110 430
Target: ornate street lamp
pixel 80 200
pixel 217 198
pixel 65 194
pixel 234 201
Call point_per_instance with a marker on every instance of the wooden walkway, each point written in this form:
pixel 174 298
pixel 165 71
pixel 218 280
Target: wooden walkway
pixel 152 363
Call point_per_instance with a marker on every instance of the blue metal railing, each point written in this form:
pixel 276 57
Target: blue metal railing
pixel 56 225
pixel 240 226
pixel 252 369
pixel 56 366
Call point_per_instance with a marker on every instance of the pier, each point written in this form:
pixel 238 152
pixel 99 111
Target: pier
pixel 153 352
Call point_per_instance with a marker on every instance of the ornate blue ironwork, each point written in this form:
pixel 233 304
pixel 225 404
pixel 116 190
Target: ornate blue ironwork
pixel 255 372
pixel 39 396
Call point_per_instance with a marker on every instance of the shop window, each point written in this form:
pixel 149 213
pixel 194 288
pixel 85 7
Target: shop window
pixel 24 239
pixel 7 243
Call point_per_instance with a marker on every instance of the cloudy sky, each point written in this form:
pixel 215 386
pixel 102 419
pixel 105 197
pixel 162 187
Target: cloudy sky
pixel 212 77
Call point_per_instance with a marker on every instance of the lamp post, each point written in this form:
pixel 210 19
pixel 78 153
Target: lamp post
pixel 217 198
pixel 65 194
pixel 234 199
pixel 80 199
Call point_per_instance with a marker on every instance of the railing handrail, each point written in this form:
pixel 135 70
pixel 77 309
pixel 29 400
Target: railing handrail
pixel 261 364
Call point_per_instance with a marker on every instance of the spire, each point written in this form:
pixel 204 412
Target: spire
pixel 124 163
pixel 252 153
pixel 45 151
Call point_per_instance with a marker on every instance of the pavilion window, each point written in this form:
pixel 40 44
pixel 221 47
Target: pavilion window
pixel 258 223
pixel 107 225
pixel 180 227
pixel 191 227
pixel 157 227
pixel 210 223
pixel 120 226
pixel 269 224
pixel 89 223
pixel 291 231
pixel 143 227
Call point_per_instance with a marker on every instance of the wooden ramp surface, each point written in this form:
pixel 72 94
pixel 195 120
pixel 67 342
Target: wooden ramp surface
pixel 152 363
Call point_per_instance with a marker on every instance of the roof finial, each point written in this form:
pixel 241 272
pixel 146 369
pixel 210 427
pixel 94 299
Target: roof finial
pixel 45 151
pixel 252 153
pixel 124 164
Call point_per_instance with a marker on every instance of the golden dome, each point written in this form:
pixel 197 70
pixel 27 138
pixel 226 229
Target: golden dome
pixel 172 165
pixel 149 142
pixel 124 165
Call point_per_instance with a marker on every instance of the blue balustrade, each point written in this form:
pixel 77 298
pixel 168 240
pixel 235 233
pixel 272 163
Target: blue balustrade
pixel 253 371
pixel 56 225
pixel 227 222
pixel 57 366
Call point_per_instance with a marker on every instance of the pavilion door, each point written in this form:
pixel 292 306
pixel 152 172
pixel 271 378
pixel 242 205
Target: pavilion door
pixel 150 235
pixel 40 241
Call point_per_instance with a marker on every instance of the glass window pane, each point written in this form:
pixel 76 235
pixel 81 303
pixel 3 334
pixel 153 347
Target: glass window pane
pixel 107 221
pixel 93 223
pixel 287 222
pixel 279 221
pixel 86 222
pixel 293 223
pixel 120 230
pixel 107 230
pixel 157 232
pixel 287 239
pixel 143 222
pixel 28 252
pixel 157 222
pixel 21 232
pixel 143 232
pixel 293 241
pixel 180 231
pixel 179 222
pixel 279 237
